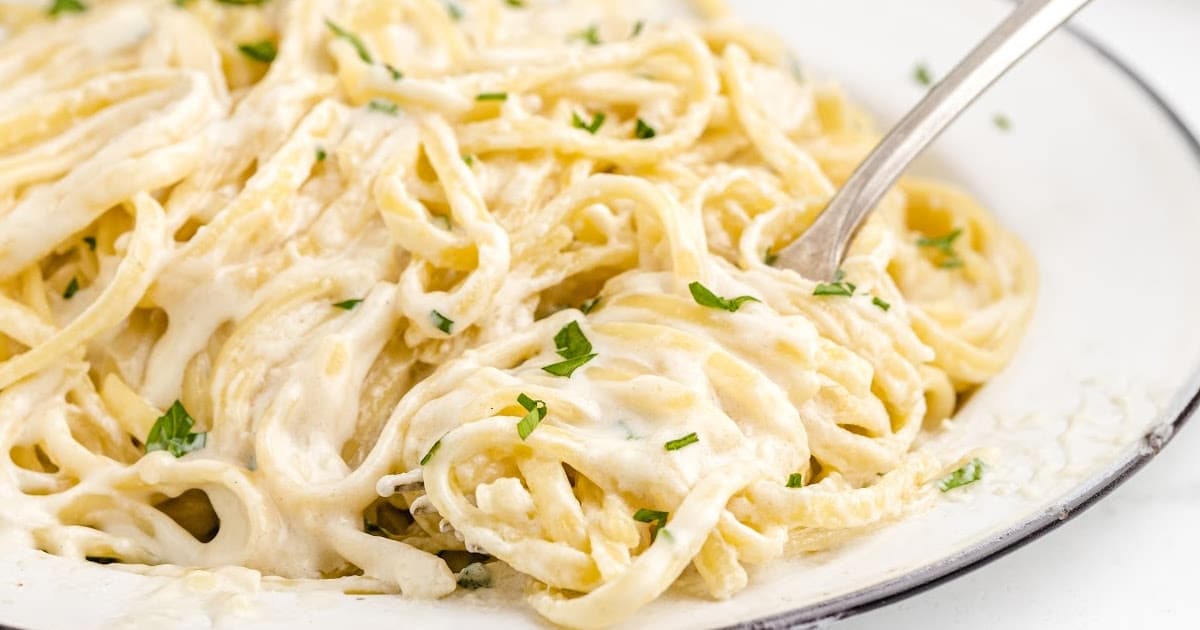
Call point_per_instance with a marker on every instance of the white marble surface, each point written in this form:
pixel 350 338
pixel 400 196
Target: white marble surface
pixel 1133 559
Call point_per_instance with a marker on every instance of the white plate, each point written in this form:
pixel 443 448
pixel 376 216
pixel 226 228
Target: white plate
pixel 1099 179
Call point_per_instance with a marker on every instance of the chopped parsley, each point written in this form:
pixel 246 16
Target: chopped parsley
pixel 469 159
pixel 347 305
pixel 922 75
pixel 58 7
pixel 477 575
pixel 637 28
pixel 643 131
pixel 589 305
pixel 443 323
pixel 519 4
pixel 432 449
pixel 769 257
pixel 704 297
pixel 971 472
pixel 881 303
pixel 1002 122
pixel 591 127
pixel 591 35
pixel 656 518
pixel 492 96
pixel 394 71
pixel 839 286
pixel 72 289
pixel 945 245
pixel 454 10
pixel 383 106
pixel 321 154
pixel 571 344
pixel 353 39
pixel 676 444
pixel 172 432
pixel 263 51
pixel 795 480
pixel 91 242
pixel 535 412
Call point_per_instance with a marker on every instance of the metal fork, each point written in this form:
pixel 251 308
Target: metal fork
pixel 820 250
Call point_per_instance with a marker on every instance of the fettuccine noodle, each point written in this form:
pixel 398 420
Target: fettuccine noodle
pixel 346 237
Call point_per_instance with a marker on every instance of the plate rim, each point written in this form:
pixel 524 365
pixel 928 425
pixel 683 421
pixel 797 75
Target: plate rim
pixel 995 547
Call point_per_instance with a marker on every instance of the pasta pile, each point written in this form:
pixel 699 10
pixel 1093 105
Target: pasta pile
pixel 350 291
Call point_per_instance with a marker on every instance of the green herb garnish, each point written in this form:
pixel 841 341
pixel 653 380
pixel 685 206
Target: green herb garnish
pixel 676 444
pixel 839 286
pixel 442 322
pixel 469 159
pixel 971 472
pixel 354 40
pixel 880 303
pixel 922 75
pixel 347 305
pixel 432 449
pixel 72 289
pixel 454 10
pixel 1002 122
pixel 263 51
pixel 91 242
pixel 637 28
pixel 643 131
pixel 591 127
pixel 769 257
pixel 945 245
pixel 58 7
pixel 394 71
pixel 704 297
pixel 591 35
pixel 321 155
pixel 536 411
pixel 572 345
pixel 795 480
pixel 520 4
pixel 589 305
pixel 383 106
pixel 657 519
pixel 492 96
pixel 172 432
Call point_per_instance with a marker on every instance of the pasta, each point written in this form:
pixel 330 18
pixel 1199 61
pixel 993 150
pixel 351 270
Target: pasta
pixel 353 291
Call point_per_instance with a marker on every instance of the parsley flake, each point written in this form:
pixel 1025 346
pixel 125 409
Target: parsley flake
pixel 454 10
pixel 443 323
pixel 353 39
pixel 922 75
pixel 945 245
pixel 568 367
pixel 687 440
pixel 656 518
pixel 571 344
pixel 705 297
pixel 971 472
pixel 518 4
pixel 72 289
pixel 394 71
pixel 58 7
pixel 643 131
pixel 383 106
pixel 536 411
pixel 321 154
pixel 591 35
pixel 172 432
pixel 432 449
pixel 347 305
pixel 881 303
pixel 492 96
pixel 589 305
pixel 591 127
pixel 1002 122
pixel 263 51
pixel 769 258
pixel 637 28
pixel 469 159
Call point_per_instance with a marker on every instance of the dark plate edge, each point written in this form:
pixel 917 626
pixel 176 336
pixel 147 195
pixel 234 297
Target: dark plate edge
pixel 1013 539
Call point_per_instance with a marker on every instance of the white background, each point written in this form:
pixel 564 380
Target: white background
pixel 1132 560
